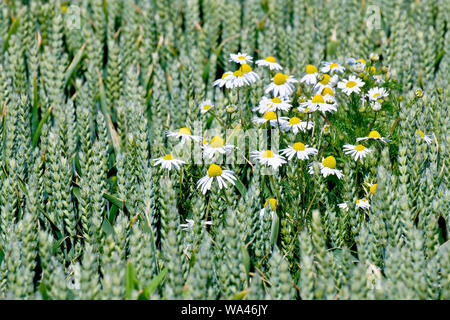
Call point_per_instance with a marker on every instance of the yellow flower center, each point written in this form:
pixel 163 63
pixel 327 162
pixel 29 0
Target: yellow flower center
pixel 205 141
pixel 238 73
pixel 359 147
pixel 271 59
pixel 267 154
pixel 214 170
pixel 329 162
pixel 362 200
pixel 185 131
pixel 328 91
pixel 326 79
pixel 276 100
pixel 168 157
pixel 376 95
pixel 374 134
pixel 270 115
pixel 317 99
pixel 273 203
pixel 420 132
pixel 280 78
pixel 241 58
pixel 217 142
pixel 206 107
pixel 225 75
pixel 298 146
pixel 350 84
pixel 372 69
pixel 373 188
pixel 310 69
pixel 333 65
pixel 362 60
pixel 245 68
pixel 294 120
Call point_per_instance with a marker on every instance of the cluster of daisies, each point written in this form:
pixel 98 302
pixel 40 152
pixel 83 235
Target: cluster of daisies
pixel 327 87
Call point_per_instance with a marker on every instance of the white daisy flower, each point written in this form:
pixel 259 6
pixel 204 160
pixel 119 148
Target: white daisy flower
pixel 375 105
pixel 241 58
pixel 238 79
pixel 250 75
pixel 205 106
pixel 295 125
pixel 273 203
pixel 215 173
pixel 168 161
pixel 379 78
pixel 332 67
pixel 225 80
pixel 318 103
pixel 215 146
pixel 274 104
pixel 328 96
pixel 359 65
pixel 357 152
pixel 327 81
pixel 353 84
pixel 376 94
pixel 373 135
pixel 425 137
pixel 282 85
pixel 327 167
pixel 363 204
pixel 272 118
pixel 351 61
pixel 268 158
pixel 300 150
pixel 190 224
pixel 343 206
pixel 270 62
pixel 374 56
pixel 326 130
pixel 185 134
pixel 311 75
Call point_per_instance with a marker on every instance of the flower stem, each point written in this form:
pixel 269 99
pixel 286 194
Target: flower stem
pixel 240 109
pixel 275 187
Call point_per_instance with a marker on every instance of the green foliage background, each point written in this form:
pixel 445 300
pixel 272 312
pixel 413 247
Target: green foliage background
pixel 85 215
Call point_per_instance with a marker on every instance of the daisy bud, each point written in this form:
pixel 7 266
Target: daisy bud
pixel 418 93
pixel 440 90
pixel 302 99
pixel 326 130
pixel 320 77
pixel 400 98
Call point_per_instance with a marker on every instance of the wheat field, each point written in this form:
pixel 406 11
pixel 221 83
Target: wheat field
pixel 203 149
